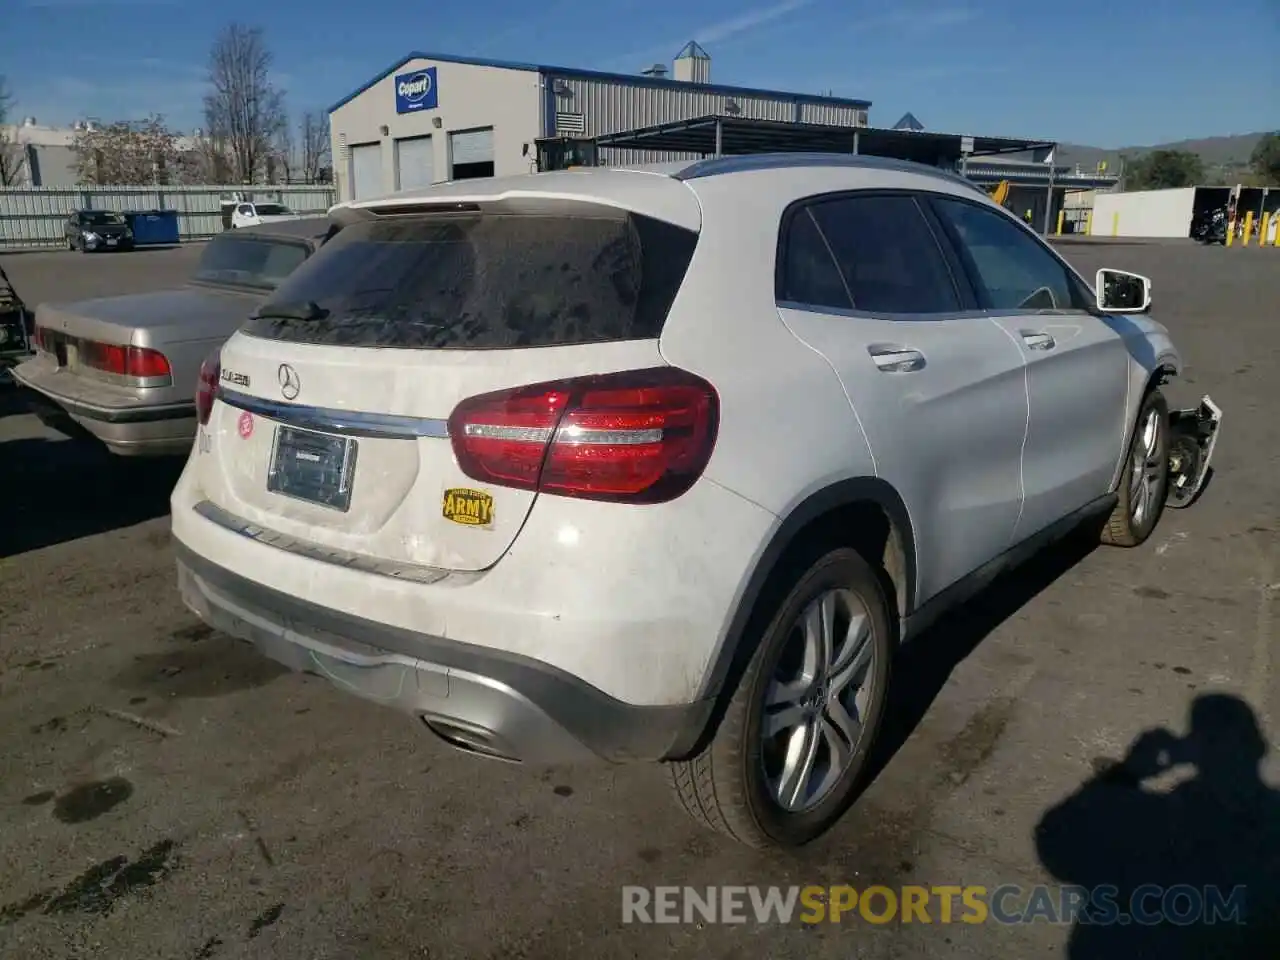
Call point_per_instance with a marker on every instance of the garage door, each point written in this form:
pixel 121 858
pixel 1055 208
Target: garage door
pixel 472 146
pixel 415 163
pixel 366 171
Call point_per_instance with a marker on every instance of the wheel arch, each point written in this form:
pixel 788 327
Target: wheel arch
pixel 865 513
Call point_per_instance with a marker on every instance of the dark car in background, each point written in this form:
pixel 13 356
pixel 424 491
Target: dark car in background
pixel 94 230
pixel 126 368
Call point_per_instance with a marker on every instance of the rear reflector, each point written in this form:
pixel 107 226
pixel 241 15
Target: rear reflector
pixel 643 436
pixel 207 386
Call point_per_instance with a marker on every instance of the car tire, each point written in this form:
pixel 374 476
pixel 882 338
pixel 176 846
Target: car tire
pixel 738 783
pixel 1144 482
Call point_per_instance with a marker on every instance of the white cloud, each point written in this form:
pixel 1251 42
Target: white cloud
pixel 744 22
pixel 718 32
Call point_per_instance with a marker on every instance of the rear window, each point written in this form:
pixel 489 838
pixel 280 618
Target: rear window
pixel 272 210
pixel 232 258
pixel 100 218
pixel 484 281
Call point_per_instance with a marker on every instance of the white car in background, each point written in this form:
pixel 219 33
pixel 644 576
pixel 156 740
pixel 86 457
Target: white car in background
pixel 662 464
pixel 248 214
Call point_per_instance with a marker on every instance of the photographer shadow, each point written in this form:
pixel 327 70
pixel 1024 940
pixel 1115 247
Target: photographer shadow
pixel 1214 836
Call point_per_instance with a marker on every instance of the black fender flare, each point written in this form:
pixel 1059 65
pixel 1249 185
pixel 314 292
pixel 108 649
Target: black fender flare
pixel 735 649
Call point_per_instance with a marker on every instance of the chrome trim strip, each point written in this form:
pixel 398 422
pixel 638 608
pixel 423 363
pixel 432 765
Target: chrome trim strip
pixel 413 572
pixel 351 423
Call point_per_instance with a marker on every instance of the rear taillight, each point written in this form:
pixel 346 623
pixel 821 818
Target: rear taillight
pixel 138 362
pixel 207 389
pixel 643 436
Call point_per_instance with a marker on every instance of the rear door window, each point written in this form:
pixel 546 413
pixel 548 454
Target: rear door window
pixel 484 280
pixel 809 272
pixel 887 254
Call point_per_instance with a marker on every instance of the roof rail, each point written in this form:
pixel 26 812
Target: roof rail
pixel 778 161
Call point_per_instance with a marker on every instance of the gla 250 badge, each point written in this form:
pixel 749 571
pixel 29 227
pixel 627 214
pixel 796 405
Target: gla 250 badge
pixel 230 376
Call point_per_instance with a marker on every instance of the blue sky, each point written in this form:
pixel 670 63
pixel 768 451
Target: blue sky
pixel 1170 69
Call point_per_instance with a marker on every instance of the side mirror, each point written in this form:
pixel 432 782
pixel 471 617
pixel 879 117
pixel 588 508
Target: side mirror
pixel 1122 292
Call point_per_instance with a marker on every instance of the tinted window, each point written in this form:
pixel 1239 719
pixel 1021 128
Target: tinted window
pixel 250 262
pixel 887 254
pixel 485 280
pixel 100 218
pixel 272 210
pixel 809 274
pixel 1013 270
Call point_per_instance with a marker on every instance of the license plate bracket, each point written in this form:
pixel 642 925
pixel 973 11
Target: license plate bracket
pixel 314 467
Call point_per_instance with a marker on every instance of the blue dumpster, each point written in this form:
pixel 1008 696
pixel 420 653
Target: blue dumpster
pixel 153 226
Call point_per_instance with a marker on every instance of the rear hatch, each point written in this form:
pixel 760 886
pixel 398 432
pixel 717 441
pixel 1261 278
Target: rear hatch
pixel 331 427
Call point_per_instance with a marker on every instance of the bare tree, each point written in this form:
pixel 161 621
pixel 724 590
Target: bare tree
pixel 244 110
pixel 314 132
pixel 128 152
pixel 13 155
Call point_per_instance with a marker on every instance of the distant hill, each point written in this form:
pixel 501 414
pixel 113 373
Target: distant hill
pixel 1222 156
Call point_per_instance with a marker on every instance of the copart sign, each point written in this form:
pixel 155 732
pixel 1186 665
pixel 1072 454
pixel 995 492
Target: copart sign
pixel 417 91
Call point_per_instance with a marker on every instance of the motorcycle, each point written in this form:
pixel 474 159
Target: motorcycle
pixel 1211 227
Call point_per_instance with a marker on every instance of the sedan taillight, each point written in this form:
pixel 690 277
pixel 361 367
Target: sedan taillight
pixel 642 436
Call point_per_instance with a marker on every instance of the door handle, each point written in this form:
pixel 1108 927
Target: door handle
pixel 891 358
pixel 1038 341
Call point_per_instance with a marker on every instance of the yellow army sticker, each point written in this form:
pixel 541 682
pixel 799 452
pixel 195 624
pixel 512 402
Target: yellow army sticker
pixel 471 507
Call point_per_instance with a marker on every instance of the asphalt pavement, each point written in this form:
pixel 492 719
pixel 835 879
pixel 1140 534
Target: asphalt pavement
pixel 168 793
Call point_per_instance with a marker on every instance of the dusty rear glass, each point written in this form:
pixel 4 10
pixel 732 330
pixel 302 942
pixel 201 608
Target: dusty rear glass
pixel 231 258
pixel 484 281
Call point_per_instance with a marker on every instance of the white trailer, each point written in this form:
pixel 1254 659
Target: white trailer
pixel 1144 213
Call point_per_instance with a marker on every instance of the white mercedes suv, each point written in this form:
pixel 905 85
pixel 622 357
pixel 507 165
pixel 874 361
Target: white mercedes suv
pixel 661 464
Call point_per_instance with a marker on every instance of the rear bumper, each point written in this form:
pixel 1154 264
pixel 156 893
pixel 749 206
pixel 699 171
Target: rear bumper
pixel 157 430
pixel 487 701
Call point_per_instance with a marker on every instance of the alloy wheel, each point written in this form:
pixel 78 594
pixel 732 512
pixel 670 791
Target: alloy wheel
pixel 817 699
pixel 1147 469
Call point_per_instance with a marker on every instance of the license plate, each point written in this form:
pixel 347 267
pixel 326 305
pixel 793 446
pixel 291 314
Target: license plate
pixel 111 241
pixel 315 467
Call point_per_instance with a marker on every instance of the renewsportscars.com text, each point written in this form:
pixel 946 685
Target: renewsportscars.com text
pixel 1006 904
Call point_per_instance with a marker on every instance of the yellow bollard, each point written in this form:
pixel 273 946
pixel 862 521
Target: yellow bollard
pixel 1231 232
pixel 1248 228
pixel 1061 214
pixel 1088 224
pixel 1263 223
pixel 1115 224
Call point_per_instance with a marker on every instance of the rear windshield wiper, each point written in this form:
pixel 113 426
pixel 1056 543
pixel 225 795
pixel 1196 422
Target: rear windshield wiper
pixel 303 310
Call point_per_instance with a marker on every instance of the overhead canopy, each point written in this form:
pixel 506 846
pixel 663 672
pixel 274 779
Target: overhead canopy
pixel 728 136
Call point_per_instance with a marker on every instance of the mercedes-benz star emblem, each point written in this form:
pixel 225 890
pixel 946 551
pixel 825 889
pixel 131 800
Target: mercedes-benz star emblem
pixel 290 384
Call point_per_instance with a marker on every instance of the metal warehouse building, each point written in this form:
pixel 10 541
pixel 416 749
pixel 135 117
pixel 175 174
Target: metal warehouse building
pixel 432 117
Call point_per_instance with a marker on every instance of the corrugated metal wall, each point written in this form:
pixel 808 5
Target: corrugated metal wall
pixel 34 216
pixel 609 106
pixel 833 114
